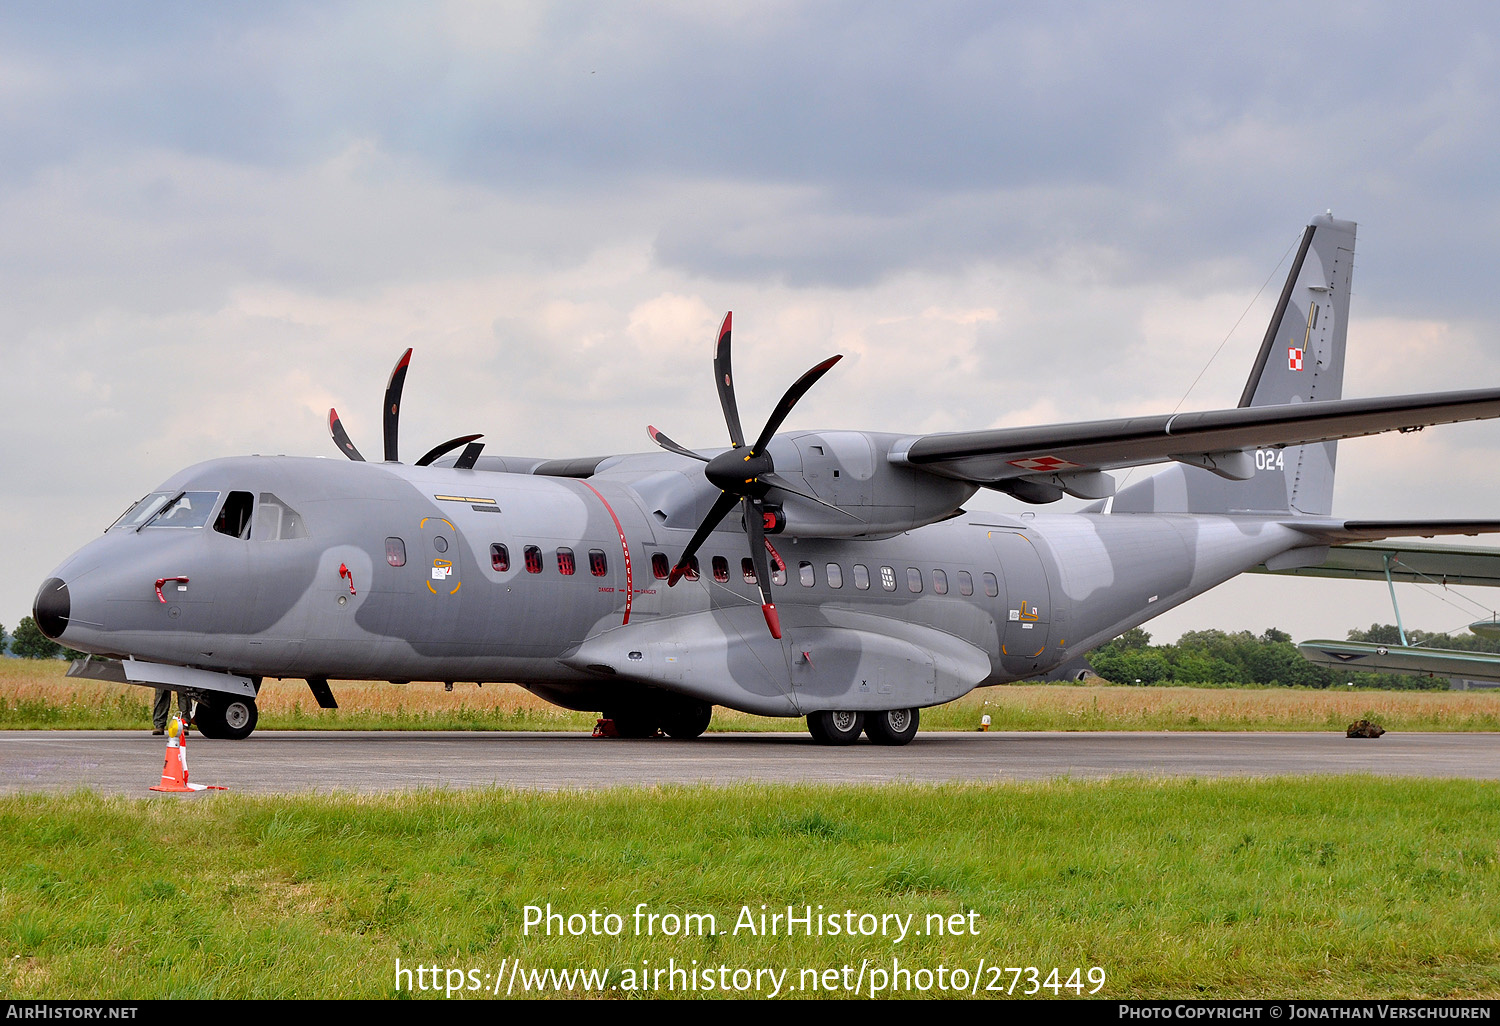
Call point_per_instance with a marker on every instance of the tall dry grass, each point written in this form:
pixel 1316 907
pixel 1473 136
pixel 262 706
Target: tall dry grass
pixel 38 695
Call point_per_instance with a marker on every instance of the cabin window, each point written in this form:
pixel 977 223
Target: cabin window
pixel 533 559
pixel 234 517
pixel 805 574
pixel 395 552
pixel 913 580
pixel 691 573
pixel 660 568
pixel 991 585
pixel 275 520
pixel 747 567
pixel 888 578
pixel 778 570
pixel 835 575
pixel 565 564
pixel 721 569
pixel 861 577
pixel 499 558
pixel 940 582
pixel 965 583
pixel 598 564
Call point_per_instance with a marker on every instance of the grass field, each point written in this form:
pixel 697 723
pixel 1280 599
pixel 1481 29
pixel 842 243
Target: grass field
pixel 1348 887
pixel 37 695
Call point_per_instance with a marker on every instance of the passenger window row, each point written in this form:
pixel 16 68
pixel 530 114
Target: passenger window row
pixel 661 569
pixel 833 574
pixel 567 565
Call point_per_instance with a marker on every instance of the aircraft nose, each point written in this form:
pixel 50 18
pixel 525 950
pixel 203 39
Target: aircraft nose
pixel 52 607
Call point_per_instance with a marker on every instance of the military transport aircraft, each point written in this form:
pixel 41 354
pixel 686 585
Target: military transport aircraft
pixel 852 587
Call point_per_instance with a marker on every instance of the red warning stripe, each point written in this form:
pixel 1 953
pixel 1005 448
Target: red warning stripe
pixel 624 546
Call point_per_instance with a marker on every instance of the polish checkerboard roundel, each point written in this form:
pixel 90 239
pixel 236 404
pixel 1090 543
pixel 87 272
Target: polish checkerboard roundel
pixel 1293 358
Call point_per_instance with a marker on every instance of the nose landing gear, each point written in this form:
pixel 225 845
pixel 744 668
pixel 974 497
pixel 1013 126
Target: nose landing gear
pixel 226 717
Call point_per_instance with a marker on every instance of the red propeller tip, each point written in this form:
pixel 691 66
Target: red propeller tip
pixel 773 621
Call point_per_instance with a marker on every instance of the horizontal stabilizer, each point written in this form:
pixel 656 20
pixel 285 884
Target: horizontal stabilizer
pixel 1411 564
pixel 1366 657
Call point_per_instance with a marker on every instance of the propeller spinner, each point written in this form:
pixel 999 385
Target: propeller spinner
pixel 744 474
pixel 391 422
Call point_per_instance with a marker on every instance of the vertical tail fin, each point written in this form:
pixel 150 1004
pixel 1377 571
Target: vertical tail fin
pixel 1301 360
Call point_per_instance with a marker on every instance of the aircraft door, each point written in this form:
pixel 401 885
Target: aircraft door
pixel 1027 615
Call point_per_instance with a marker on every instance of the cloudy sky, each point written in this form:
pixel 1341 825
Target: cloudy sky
pixel 218 220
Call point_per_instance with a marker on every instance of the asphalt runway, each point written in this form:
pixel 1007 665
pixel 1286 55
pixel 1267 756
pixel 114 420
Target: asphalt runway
pixel 128 762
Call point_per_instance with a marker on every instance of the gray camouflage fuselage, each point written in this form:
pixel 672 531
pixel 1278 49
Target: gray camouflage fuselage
pixel 282 607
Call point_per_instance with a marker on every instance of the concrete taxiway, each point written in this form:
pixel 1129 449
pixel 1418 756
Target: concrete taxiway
pixel 121 762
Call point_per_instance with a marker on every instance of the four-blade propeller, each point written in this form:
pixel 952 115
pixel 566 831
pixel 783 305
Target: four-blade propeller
pixel 744 474
pixel 392 423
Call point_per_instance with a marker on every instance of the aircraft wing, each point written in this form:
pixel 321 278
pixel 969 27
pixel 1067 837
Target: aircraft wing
pixel 1372 658
pixel 1413 564
pixel 1216 440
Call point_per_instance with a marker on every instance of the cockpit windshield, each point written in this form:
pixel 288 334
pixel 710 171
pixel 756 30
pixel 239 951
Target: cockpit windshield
pixel 141 511
pixel 184 509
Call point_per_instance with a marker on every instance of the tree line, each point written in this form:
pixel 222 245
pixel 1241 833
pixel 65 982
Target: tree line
pixel 28 642
pixel 1216 657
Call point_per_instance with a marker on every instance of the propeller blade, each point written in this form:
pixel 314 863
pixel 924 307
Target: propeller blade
pixel 671 446
pixel 721 508
pixel 469 457
pixel 341 437
pixel 725 382
pixel 442 450
pixel 755 527
pixel 797 391
pixel 777 481
pixel 393 406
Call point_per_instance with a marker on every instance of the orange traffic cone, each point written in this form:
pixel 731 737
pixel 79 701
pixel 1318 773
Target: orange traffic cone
pixel 174 771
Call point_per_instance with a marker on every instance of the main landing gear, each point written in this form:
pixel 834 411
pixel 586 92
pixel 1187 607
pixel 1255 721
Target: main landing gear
pixel 839 727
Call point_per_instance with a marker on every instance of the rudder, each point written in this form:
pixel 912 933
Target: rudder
pixel 1301 360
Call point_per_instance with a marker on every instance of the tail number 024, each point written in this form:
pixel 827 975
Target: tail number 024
pixel 1269 459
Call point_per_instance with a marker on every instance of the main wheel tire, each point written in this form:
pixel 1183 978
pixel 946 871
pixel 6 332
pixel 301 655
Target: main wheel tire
pixel 227 719
pixel 892 727
pixel 240 716
pixel 686 720
pixel 208 720
pixel 836 727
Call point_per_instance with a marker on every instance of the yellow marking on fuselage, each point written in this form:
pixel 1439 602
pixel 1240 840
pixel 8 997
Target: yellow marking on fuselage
pixel 464 498
pixel 445 520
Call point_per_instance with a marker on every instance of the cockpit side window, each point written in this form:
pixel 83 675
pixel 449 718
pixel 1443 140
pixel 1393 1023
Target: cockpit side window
pixel 234 515
pixel 275 520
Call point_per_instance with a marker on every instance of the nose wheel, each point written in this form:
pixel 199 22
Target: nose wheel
pixel 226 718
